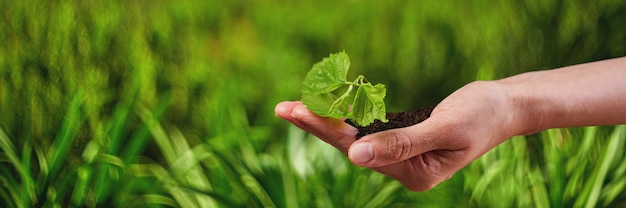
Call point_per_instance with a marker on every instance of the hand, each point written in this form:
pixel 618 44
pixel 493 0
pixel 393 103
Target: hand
pixel 476 118
pixel 465 125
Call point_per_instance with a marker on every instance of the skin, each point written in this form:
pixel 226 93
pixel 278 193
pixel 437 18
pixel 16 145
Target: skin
pixel 476 118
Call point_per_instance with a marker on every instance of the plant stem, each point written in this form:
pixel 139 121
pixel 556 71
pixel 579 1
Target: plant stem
pixel 340 99
pixel 357 82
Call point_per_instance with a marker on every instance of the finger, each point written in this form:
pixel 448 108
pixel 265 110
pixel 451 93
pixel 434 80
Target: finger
pixel 396 145
pixel 332 131
pixel 284 110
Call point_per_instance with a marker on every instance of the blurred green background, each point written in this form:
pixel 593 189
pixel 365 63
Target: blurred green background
pixel 170 103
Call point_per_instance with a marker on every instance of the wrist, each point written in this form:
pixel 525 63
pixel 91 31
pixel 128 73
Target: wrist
pixel 528 111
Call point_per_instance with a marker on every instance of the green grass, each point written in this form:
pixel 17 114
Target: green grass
pixel 557 172
pixel 170 104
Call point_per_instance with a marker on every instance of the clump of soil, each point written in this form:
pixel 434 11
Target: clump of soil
pixel 396 120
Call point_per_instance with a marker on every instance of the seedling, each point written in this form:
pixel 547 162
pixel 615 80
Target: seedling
pixel 328 93
pixel 322 92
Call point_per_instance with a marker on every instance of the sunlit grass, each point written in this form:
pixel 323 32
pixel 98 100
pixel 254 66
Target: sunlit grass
pixel 307 172
pixel 562 169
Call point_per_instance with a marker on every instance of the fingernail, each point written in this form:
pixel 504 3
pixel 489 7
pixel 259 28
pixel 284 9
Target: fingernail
pixel 361 152
pixel 298 111
pixel 279 109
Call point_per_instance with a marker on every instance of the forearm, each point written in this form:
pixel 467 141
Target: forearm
pixel 580 95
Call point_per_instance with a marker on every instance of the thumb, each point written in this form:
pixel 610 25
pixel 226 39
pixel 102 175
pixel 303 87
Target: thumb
pixel 392 146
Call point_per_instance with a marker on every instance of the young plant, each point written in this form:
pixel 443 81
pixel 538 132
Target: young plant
pixel 322 92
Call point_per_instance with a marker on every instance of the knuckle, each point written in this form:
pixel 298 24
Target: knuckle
pixel 399 146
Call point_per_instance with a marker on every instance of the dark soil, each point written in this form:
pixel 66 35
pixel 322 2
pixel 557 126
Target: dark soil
pixel 396 120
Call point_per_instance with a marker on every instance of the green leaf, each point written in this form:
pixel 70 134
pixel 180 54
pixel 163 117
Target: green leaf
pixel 321 84
pixel 327 75
pixel 369 104
pixel 321 105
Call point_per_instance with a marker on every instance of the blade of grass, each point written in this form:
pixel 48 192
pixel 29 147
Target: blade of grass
pixel 167 148
pixel 481 187
pixel 29 195
pixel 242 175
pixel 193 174
pixel 26 193
pixel 289 183
pixel 182 159
pixel 154 199
pixel 592 191
pixel 220 199
pixel 57 153
pixel 576 166
pixel 554 165
pixel 612 191
pixel 81 186
pixel 158 134
pixel 10 188
pixel 541 197
pixel 379 197
pixel 139 139
pixel 616 144
pixel 9 153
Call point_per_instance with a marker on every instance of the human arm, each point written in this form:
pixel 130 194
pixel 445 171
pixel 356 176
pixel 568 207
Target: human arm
pixel 476 118
pixel 579 95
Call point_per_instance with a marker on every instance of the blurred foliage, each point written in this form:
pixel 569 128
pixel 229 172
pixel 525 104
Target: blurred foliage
pixel 171 102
